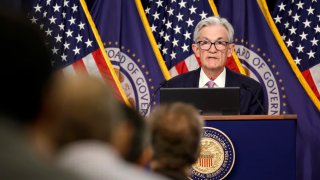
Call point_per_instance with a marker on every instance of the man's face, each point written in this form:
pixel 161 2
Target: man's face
pixel 213 59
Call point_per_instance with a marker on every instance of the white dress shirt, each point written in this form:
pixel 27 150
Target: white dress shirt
pixel 220 81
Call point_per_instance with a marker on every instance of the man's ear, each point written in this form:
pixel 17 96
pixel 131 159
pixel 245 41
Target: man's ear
pixel 230 49
pixel 196 50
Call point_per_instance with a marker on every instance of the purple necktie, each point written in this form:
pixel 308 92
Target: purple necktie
pixel 210 84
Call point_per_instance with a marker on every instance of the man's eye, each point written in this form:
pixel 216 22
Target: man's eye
pixel 206 42
pixel 219 42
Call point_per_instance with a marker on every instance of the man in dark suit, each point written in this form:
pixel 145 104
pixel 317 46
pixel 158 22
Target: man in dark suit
pixel 213 39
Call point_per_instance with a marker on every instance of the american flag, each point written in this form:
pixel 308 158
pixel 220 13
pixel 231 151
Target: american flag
pixel 172 23
pixel 299 25
pixel 71 40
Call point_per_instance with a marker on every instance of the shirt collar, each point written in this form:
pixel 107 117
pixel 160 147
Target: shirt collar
pixel 220 81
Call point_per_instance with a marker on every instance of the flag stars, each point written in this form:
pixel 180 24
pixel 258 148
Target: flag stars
pixel 33 20
pixel 296 17
pixel 277 19
pixel 175 42
pixel 66 3
pixel 286 25
pixel 48 32
pixel 161 33
pixel 153 28
pixel 292 30
pixel 147 10
pixel 180 17
pixel 79 38
pixel 303 36
pixel 182 4
pixel 173 55
pixel 282 7
pixel 74 8
pixel 190 22
pixel 290 12
pixel 203 15
pixel 37 8
pixel 170 11
pixel 168 24
pixel 54 50
pixel 64 15
pixel 311 54
pixel 177 29
pixel 164 51
pixel 314 42
pixel 187 35
pixel 166 38
pixel 66 45
pixel 306 23
pixel 89 43
pixel 44 14
pixel 300 5
pixel 58 38
pixel 56 8
pixel 159 3
pixel 81 25
pixel 310 10
pixel 185 48
pixel 76 50
pixel 48 2
pixel 61 26
pixel 156 16
pixel 297 60
pixel 64 57
pixel 69 33
pixel 52 20
pixel 300 48
pixel 192 10
pixel 289 43
pixel 317 29
pixel 72 21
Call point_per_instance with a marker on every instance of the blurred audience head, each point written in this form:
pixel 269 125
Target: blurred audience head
pixel 82 108
pixel 26 71
pixel 135 142
pixel 175 136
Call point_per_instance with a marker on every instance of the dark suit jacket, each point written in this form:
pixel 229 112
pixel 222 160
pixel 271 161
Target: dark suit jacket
pixel 250 90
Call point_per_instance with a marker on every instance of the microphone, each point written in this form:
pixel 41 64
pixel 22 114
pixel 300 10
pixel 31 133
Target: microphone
pixel 248 88
pixel 163 83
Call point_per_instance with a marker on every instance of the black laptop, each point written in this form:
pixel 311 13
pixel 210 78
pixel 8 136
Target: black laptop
pixel 209 101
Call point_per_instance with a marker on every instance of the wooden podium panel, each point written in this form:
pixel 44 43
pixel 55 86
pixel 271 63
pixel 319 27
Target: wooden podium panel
pixel 264 145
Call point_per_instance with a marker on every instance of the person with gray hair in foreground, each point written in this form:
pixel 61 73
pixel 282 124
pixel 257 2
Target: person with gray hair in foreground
pixel 175 137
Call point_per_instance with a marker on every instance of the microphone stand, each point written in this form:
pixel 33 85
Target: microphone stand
pixel 247 87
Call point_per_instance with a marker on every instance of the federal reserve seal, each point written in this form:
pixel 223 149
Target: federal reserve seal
pixel 216 157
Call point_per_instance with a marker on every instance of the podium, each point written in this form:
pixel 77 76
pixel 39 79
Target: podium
pixel 264 145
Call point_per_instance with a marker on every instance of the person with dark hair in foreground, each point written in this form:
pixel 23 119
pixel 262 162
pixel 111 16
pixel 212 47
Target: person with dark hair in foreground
pixel 25 77
pixel 175 139
pixel 138 138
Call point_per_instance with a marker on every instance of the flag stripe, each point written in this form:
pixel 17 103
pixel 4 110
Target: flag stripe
pixel 80 67
pixel 91 66
pixel 105 71
pixel 311 81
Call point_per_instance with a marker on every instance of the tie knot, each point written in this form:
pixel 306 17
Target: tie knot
pixel 210 84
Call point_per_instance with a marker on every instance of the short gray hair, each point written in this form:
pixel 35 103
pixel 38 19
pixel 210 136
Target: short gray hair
pixel 214 20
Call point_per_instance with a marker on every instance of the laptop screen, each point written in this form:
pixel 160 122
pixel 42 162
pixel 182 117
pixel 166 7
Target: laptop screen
pixel 209 101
